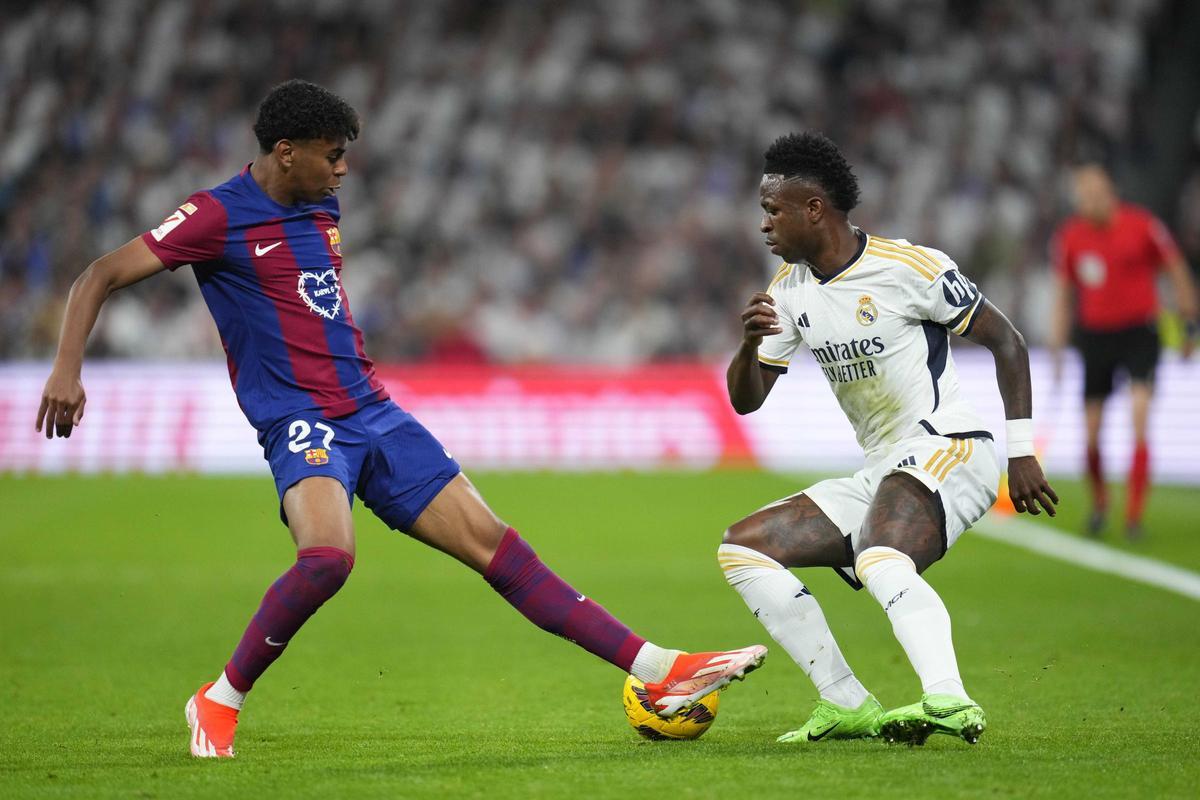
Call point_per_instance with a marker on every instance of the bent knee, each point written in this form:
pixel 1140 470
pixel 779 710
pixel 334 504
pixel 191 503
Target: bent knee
pixel 922 554
pixel 328 567
pixel 743 533
pixel 339 539
pixel 750 534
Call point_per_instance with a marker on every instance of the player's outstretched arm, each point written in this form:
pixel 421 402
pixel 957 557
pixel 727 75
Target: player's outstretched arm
pixel 749 384
pixel 63 397
pixel 1027 485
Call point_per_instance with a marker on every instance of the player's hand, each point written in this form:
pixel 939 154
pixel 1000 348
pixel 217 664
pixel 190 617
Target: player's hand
pixel 759 319
pixel 1187 347
pixel 63 400
pixel 1028 487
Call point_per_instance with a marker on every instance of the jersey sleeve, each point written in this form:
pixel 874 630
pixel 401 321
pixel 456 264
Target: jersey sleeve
pixel 194 233
pixel 942 294
pixel 775 352
pixel 1165 248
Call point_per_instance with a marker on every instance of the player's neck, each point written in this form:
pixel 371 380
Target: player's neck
pixel 1104 215
pixel 840 247
pixel 268 177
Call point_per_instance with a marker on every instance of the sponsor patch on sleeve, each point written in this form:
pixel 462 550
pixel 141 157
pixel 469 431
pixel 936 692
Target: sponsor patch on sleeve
pixel 172 222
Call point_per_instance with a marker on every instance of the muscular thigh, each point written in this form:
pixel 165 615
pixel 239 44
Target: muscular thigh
pixel 318 514
pixel 794 532
pixel 458 522
pixel 905 515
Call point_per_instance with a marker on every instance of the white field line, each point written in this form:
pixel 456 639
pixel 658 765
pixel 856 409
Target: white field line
pixel 1042 539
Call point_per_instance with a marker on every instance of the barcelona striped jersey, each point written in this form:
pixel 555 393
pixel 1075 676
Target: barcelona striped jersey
pixel 271 277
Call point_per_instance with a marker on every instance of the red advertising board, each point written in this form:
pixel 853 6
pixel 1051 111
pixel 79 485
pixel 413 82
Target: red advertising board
pixel 576 417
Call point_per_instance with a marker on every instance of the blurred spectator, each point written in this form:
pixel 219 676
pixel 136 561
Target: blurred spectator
pixel 554 179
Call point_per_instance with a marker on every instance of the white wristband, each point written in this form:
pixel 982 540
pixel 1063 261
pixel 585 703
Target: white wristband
pixel 1019 437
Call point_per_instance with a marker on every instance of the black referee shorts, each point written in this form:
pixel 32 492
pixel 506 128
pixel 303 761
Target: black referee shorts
pixel 1131 350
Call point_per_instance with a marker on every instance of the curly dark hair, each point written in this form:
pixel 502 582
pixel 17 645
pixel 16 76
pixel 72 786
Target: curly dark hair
pixel 301 110
pixel 811 156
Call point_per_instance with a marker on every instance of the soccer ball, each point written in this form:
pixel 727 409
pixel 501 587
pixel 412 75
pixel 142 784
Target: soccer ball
pixel 690 724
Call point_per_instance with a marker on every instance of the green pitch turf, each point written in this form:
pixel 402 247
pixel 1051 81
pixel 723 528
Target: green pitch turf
pixel 118 596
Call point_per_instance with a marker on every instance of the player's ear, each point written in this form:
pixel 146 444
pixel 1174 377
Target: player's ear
pixel 285 151
pixel 816 209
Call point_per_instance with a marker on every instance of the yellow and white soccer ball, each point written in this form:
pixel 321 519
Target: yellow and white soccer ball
pixel 690 724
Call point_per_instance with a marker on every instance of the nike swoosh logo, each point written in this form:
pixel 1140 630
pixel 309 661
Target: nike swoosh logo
pixel 274 644
pixel 581 598
pixel 259 250
pixel 823 733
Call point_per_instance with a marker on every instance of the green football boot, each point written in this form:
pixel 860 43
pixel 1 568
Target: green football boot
pixel 936 713
pixel 831 721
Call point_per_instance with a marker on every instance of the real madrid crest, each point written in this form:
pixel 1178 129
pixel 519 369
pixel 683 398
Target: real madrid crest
pixel 867 312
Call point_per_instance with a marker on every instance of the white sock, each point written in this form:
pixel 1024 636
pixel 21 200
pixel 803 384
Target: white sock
pixel 794 619
pixel 652 663
pixel 222 692
pixel 919 618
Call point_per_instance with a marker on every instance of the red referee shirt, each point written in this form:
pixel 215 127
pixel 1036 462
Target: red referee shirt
pixel 1113 267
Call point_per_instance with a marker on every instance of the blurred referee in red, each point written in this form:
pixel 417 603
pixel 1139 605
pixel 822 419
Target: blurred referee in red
pixel 1107 259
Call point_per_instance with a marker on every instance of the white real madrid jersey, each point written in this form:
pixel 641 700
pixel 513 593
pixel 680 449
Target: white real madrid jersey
pixel 879 330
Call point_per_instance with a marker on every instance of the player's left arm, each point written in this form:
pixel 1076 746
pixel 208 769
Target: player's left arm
pixel 1027 485
pixel 1183 288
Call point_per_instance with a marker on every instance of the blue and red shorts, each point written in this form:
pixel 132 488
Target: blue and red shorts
pixel 380 453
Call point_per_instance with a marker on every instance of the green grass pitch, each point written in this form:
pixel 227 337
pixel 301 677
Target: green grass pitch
pixel 118 596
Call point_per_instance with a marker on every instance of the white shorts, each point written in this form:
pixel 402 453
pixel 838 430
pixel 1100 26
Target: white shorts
pixel 963 474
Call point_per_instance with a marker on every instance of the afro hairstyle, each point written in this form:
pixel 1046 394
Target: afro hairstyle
pixel 812 157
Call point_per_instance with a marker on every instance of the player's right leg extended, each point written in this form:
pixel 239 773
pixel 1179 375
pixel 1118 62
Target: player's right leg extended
pixel 460 523
pixel 754 557
pixel 318 514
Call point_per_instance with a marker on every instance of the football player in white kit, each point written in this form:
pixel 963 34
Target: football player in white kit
pixel 876 314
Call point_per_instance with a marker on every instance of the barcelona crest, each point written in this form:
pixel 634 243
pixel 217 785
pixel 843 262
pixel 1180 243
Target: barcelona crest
pixel 316 456
pixel 335 240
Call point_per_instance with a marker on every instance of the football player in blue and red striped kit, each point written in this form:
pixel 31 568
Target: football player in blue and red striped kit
pixel 266 251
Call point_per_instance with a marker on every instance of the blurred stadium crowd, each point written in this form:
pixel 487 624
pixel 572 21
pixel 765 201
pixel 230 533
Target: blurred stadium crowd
pixel 554 180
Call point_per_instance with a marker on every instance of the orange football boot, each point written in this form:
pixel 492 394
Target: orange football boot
pixel 694 675
pixel 212 726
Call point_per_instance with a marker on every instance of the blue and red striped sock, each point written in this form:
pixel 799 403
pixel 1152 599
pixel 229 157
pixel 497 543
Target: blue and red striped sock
pixel 549 602
pixel 315 577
